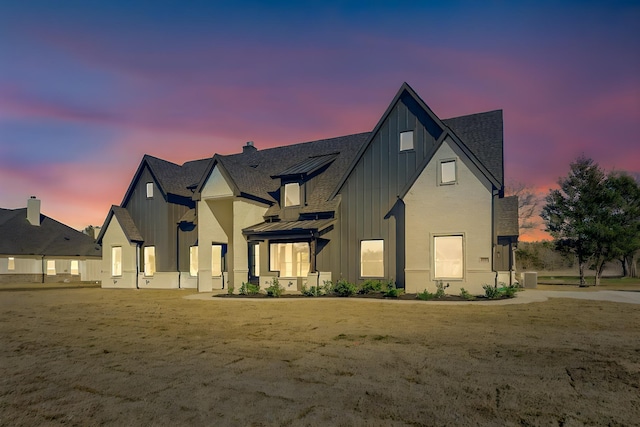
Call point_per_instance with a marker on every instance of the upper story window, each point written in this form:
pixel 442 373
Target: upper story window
pixel 406 140
pixel 448 172
pixel 292 194
pixel 149 190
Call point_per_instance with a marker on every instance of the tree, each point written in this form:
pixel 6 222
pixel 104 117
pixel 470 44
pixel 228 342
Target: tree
pixel 625 192
pixel 527 205
pixel 574 214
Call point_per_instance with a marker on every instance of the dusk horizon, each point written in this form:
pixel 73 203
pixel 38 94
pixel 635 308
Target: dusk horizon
pixel 87 89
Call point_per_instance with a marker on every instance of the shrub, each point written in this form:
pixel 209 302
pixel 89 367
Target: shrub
pixel 243 289
pixel 275 290
pixel 491 292
pixel 370 286
pixel 440 287
pixel 466 295
pixel 230 289
pixel 392 291
pixel 252 289
pixel 426 295
pixel 342 288
pixel 510 291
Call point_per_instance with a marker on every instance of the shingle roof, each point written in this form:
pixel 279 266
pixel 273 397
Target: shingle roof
pixel 51 238
pixel 252 171
pixel 482 133
pixel 126 223
pixel 506 212
pixel 175 179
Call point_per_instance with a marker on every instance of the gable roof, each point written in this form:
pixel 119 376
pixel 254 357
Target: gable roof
pixel 256 173
pixel 50 238
pixel 126 223
pixel 482 133
pixel 172 179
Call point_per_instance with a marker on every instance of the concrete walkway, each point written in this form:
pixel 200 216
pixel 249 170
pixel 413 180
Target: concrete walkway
pixel 523 297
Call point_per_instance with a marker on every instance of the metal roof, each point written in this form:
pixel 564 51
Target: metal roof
pixel 308 166
pixel 304 226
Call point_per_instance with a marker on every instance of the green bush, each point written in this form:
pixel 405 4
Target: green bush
pixel 252 289
pixel 440 287
pixel 426 295
pixel 466 295
pixel 370 286
pixel 392 291
pixel 274 289
pixel 492 292
pixel 510 291
pixel 230 290
pixel 313 291
pixel 342 288
pixel 243 289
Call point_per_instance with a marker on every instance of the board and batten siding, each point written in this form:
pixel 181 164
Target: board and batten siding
pixel 463 208
pixel 370 208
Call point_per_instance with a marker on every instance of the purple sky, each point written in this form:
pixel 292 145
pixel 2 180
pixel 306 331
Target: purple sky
pixel 88 87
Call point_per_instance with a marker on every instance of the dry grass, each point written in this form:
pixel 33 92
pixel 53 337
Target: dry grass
pixel 123 357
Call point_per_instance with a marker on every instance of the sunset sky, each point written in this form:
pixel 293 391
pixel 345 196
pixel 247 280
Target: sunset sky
pixel 88 87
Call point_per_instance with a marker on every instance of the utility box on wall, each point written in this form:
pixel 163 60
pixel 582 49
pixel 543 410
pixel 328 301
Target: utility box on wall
pixel 530 279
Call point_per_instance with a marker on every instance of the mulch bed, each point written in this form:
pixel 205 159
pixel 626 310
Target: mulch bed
pixel 372 295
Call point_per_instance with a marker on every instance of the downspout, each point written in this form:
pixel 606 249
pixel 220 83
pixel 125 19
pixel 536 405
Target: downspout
pixel 43 268
pixel 137 264
pixel 178 253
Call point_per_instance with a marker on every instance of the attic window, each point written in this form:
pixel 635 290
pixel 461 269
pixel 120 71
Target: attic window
pixel 292 194
pixel 149 190
pixel 447 172
pixel 406 140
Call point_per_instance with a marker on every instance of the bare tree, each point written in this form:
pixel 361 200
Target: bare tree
pixel 528 202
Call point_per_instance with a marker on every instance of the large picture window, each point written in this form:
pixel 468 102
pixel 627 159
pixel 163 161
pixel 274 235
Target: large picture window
pixel 290 259
pixel 193 261
pixel 372 258
pixel 448 263
pixel 218 251
pixel 116 261
pixel 149 260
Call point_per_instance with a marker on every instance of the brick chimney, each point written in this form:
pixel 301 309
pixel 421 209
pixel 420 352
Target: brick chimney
pixel 249 148
pixel 33 211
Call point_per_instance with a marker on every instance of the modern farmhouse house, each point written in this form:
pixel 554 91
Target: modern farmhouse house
pixel 37 248
pixel 415 201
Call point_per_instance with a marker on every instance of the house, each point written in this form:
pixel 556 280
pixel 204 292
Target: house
pixel 148 237
pixel 415 201
pixel 37 248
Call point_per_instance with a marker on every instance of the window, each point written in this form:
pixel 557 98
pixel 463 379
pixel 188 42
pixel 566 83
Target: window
pixel 448 263
pixel 193 261
pixel 292 194
pixel 372 258
pixel 51 267
pixel 149 260
pixel 448 172
pixel 254 260
pixel 290 259
pixel 218 253
pixel 116 261
pixel 75 270
pixel 406 140
pixel 11 263
pixel 149 190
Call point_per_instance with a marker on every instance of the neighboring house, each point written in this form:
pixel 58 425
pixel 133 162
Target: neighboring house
pixel 36 248
pixel 147 239
pixel 415 201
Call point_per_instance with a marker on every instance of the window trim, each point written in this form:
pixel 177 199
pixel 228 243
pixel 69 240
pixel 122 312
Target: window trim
pixel 223 254
pixel 286 242
pixel 361 275
pixel 413 141
pixel 463 257
pixel 149 188
pixel 146 261
pixel 442 162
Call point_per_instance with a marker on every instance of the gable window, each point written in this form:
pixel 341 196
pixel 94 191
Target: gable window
pixel 449 258
pixel 75 270
pixel 149 260
pixel 372 258
pixel 447 172
pixel 11 263
pixel 218 253
pixel 193 261
pixel 292 194
pixel 51 267
pixel 290 259
pixel 149 190
pixel 116 261
pixel 406 140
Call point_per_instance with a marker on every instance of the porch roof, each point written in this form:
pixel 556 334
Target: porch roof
pixel 304 227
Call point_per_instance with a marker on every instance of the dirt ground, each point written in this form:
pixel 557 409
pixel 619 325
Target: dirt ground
pixel 89 356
